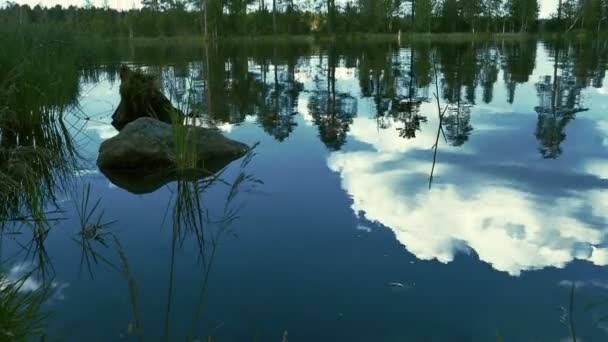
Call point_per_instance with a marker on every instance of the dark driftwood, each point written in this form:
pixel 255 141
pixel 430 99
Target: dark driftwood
pixel 140 97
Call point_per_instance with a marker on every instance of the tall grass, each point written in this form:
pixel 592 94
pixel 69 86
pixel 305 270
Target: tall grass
pixel 38 82
pixel 37 161
pixel 132 289
pixel 244 182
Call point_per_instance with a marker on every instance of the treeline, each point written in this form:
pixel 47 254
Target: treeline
pixel 170 18
pixel 589 15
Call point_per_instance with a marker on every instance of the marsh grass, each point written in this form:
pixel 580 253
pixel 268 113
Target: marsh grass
pixel 185 149
pixel 243 183
pixel 38 160
pixel 126 270
pixel 21 316
pixel 191 218
pixel 37 153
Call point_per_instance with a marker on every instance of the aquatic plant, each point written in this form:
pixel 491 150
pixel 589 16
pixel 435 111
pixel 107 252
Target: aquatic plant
pixel 93 228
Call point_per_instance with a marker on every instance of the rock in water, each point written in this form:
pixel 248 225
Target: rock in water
pixel 140 97
pixel 146 154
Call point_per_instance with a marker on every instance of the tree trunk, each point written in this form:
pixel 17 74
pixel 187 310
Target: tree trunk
pixel 274 16
pixel 330 13
pixel 289 17
pixel 276 71
pixel 204 21
pixel 208 82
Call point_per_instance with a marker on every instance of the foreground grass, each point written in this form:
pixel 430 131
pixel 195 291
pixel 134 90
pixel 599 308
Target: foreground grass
pixel 20 315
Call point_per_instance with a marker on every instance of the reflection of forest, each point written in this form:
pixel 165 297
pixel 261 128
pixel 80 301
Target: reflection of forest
pixel 225 83
pixel 559 95
pixel 332 110
pixel 266 82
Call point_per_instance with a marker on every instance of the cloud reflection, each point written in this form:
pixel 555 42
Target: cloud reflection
pixel 512 226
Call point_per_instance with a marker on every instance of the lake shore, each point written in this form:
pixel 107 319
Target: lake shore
pixel 356 38
pixel 342 38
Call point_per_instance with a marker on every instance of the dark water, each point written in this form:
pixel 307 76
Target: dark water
pixel 339 232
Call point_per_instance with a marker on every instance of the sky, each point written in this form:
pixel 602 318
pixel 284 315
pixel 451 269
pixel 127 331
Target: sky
pixel 546 6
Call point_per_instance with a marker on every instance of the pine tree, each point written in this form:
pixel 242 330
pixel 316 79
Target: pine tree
pixel 331 11
pixel 492 9
pixel 423 15
pixel 523 12
pixel 450 15
pixel 150 4
pixel 471 9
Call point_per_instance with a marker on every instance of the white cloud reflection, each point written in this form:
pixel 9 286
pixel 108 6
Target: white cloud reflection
pixel 508 225
pixel 21 274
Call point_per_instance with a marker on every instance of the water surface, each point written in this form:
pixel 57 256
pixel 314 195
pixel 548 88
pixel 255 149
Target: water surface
pixel 364 216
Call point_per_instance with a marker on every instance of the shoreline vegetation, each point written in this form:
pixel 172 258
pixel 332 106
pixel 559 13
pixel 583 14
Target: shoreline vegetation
pixel 357 38
pixel 58 39
pixel 291 20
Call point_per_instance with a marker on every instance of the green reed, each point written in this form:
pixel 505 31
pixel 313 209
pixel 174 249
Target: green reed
pixel 21 317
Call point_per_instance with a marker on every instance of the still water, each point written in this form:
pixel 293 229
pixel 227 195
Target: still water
pixel 363 215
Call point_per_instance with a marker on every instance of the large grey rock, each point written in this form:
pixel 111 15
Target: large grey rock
pixel 144 155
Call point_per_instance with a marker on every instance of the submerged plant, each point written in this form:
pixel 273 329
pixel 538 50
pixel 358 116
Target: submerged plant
pixel 92 229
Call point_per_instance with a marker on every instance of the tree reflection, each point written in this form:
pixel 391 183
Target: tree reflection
pixel 518 62
pixel 559 99
pixel 398 87
pixel 231 83
pixel 489 71
pixel 459 70
pixel 279 100
pixel 332 111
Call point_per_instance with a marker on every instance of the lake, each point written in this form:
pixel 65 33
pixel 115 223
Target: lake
pixel 422 191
